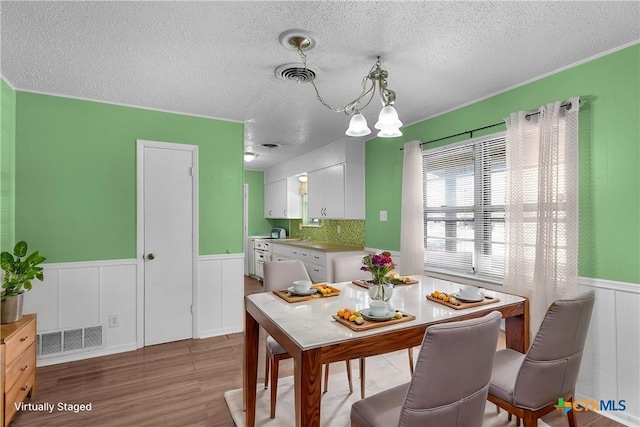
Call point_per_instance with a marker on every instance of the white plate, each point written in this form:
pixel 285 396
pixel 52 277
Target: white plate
pixel 457 296
pixel 311 291
pixel 388 316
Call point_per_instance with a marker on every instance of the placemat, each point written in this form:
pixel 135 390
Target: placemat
pixel 365 283
pixel 289 297
pixel 370 324
pixel 463 305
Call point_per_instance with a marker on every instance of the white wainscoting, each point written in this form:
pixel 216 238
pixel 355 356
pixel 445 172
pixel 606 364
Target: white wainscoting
pixel 220 295
pixel 84 294
pixel 610 368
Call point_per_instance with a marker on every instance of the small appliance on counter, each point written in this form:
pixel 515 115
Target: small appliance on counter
pixel 278 233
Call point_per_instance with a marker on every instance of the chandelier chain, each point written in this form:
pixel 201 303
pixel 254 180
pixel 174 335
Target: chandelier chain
pixel 350 108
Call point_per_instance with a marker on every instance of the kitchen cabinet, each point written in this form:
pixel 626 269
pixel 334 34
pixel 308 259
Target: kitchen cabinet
pixel 282 199
pixel 18 363
pixel 336 192
pixel 317 262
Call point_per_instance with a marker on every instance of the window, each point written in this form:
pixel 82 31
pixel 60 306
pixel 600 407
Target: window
pixel 464 197
pixel 306 221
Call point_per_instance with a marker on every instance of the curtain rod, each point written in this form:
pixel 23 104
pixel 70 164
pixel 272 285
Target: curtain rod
pixel 567 105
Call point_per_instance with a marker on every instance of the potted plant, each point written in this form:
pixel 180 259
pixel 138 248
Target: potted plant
pixel 379 265
pixel 19 271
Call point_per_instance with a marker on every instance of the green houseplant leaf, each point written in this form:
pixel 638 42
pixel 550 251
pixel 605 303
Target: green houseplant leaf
pixel 21 249
pixel 18 271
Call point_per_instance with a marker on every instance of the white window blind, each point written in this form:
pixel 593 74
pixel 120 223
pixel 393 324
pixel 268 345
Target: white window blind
pixel 464 195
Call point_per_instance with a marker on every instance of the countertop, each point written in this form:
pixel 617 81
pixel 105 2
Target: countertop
pixel 318 246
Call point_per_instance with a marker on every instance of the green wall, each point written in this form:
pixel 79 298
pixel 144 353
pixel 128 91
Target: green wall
pixel 257 223
pixel 76 176
pixel 609 159
pixel 7 165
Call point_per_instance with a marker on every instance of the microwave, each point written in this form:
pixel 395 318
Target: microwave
pixel 278 233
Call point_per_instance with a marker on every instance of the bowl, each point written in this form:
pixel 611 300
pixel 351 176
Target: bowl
pixel 378 308
pixel 302 285
pixel 469 292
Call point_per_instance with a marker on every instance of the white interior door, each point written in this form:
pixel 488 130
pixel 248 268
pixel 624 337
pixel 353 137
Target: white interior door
pixel 168 243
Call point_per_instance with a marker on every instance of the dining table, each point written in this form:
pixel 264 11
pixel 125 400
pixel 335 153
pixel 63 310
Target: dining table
pixel 309 333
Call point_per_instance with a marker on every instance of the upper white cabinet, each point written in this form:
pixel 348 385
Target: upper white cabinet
pixel 282 199
pixel 336 192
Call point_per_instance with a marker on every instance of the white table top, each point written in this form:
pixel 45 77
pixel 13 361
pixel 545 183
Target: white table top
pixel 309 324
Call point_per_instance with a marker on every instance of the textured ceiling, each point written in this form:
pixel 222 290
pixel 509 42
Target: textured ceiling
pixel 217 59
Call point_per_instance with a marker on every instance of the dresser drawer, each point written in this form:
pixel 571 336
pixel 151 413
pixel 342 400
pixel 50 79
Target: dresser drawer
pixel 16 394
pixel 20 368
pixel 19 341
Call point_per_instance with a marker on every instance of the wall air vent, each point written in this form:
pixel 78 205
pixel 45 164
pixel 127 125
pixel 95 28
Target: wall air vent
pixel 73 340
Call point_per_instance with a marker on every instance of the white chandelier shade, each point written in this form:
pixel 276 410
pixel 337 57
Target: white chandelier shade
pixel 388 119
pixel 358 126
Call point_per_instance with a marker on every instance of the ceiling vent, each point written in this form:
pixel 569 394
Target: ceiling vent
pixel 270 145
pixel 295 73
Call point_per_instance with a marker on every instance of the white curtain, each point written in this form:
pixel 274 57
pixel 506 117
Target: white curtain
pixel 541 212
pixel 412 221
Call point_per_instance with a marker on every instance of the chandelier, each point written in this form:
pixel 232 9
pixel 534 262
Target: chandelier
pixel 388 123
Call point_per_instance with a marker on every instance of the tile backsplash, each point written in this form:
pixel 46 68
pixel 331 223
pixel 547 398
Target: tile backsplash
pixel 351 231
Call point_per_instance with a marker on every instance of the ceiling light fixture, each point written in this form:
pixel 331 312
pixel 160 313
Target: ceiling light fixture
pixel 388 122
pixel 249 156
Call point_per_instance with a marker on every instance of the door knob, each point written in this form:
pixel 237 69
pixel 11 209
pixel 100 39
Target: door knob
pixel 151 257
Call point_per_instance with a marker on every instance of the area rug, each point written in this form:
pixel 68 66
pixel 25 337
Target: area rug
pixel 383 372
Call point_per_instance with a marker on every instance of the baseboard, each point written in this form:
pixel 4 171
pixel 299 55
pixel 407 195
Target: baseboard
pixel 86 355
pixel 219 332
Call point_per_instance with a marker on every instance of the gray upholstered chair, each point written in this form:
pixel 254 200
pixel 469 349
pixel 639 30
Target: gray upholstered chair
pixel 529 385
pixel 345 269
pixel 280 275
pixel 450 383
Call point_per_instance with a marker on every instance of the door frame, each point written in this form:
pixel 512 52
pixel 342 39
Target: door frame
pixel 193 149
pixel 245 225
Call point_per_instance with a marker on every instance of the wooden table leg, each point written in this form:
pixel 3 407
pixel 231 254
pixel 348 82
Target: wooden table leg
pixel 308 388
pixel 250 371
pixel 517 330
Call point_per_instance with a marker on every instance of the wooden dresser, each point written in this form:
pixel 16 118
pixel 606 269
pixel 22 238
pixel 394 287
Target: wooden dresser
pixel 18 364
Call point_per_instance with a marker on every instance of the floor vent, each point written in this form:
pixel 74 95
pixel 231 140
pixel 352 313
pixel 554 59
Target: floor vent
pixel 56 343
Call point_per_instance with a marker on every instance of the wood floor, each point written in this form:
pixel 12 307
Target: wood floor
pixel 175 384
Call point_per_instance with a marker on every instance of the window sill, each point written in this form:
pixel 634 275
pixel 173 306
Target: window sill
pixel 311 225
pixel 465 280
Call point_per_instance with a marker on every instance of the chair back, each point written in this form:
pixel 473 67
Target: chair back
pixel 451 378
pixel 550 367
pixel 279 275
pixel 347 268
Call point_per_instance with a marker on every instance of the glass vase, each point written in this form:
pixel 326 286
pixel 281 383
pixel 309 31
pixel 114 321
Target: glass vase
pixel 381 291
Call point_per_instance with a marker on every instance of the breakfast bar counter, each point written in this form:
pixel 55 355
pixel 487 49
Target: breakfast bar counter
pixel 309 333
pixel 320 246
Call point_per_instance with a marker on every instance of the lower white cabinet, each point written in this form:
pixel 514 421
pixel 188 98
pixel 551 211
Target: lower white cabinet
pixel 317 263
